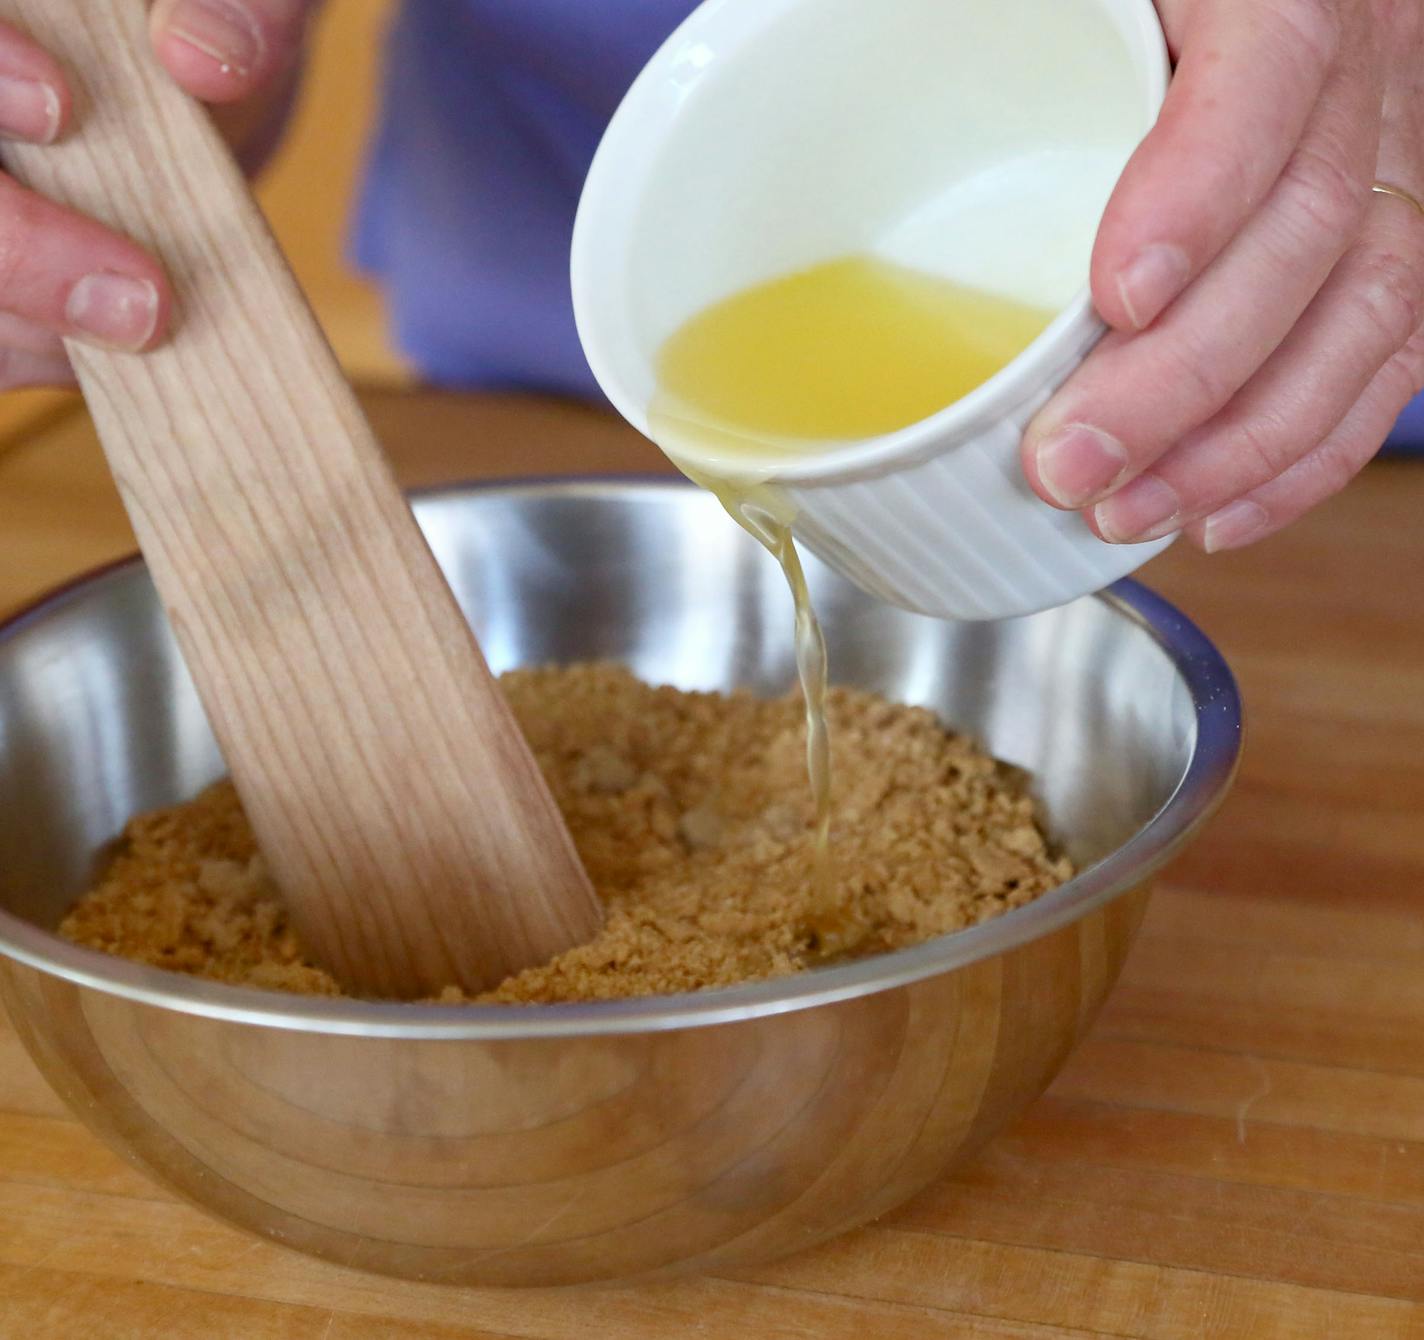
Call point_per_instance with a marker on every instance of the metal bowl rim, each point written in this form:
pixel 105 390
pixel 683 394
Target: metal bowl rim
pixel 1210 769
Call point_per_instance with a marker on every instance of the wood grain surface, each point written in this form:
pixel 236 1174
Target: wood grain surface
pixel 390 789
pixel 1236 1150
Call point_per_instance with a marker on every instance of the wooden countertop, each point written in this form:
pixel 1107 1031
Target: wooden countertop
pixel 1237 1150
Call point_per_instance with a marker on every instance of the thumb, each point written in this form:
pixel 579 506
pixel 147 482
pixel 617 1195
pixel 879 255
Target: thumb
pixel 225 51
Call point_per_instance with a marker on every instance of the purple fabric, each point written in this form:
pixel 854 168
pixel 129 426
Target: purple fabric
pixel 1408 435
pixel 491 114
pixel 492 111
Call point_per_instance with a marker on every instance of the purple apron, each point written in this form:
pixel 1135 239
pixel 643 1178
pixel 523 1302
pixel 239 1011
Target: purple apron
pixel 492 111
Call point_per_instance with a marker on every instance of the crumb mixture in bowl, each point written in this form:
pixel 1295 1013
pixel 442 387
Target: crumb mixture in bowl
pixel 692 816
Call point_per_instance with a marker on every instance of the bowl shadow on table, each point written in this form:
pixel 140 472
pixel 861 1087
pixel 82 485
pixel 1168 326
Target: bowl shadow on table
pixel 605 1141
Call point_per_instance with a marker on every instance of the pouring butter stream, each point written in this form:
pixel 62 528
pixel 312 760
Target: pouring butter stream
pixel 803 364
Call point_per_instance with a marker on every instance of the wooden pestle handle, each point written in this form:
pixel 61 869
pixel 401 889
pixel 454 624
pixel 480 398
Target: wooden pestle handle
pixel 390 789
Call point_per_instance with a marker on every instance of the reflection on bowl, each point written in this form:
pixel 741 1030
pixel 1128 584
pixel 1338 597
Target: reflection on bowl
pixel 489 1145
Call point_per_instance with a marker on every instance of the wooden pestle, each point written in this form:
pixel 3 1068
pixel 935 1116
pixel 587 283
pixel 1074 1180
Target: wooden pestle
pixel 389 787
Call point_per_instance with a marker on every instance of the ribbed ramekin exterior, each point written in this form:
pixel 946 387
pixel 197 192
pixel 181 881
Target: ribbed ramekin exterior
pixel 961 535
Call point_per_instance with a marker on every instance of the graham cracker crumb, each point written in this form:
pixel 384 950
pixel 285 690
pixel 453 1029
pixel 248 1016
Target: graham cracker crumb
pixel 693 818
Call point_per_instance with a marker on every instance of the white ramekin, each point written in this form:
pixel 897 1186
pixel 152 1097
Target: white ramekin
pixel 978 138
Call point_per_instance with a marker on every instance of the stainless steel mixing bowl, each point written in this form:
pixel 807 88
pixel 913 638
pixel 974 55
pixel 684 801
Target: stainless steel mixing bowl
pixel 611 1140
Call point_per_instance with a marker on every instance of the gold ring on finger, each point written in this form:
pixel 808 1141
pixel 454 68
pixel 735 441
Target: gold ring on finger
pixel 1398 192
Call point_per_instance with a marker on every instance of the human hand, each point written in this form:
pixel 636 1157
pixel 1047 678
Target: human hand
pixel 1265 304
pixel 64 275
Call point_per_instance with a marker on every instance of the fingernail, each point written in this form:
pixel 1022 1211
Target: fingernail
pixel 1079 463
pixel 114 309
pixel 29 110
pixel 227 32
pixel 1146 509
pixel 1151 280
pixel 1236 524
